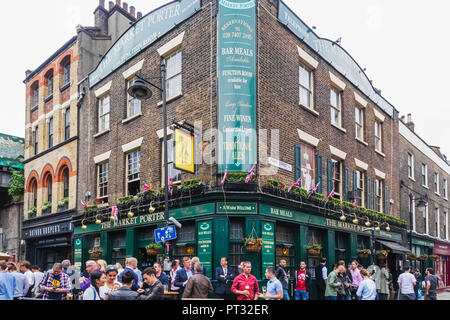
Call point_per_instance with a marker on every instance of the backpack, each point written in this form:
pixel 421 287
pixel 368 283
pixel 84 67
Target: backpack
pixel 38 294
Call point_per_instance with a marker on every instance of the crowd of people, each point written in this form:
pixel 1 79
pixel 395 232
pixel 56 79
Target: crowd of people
pixel 189 281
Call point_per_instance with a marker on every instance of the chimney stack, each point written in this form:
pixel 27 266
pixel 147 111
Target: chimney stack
pixel 133 11
pixel 139 15
pixel 101 17
pixel 118 3
pixel 125 6
pixel 403 119
pixel 111 5
pixel 410 124
pixel 101 3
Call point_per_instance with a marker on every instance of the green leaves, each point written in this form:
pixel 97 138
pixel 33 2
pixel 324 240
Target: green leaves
pixel 16 184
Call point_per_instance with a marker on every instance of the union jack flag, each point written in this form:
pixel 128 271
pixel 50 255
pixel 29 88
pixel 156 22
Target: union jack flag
pixel 171 187
pixel 115 214
pixel 331 195
pixel 296 184
pixel 355 203
pixel 225 176
pixel 147 187
pixel 251 174
pixel 84 204
pixel 314 190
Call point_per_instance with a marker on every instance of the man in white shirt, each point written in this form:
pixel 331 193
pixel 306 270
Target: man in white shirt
pixel 25 267
pixel 173 273
pixel 406 282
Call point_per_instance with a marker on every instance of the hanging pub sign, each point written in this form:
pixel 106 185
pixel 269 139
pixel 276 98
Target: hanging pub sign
pixel 237 85
pixel 184 151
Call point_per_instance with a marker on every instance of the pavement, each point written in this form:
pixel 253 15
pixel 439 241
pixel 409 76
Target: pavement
pixel 444 296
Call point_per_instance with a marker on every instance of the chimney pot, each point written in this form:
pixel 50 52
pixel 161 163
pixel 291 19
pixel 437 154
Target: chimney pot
pixel 403 119
pixel 125 6
pixel 101 3
pixel 139 15
pixel 409 117
pixel 118 2
pixel 111 5
pixel 28 72
pixel 133 11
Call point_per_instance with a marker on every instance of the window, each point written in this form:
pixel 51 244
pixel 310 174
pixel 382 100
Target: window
pixel 378 136
pixel 425 219
pixel 67 125
pixel 437 222
pixel 36 141
pixel 359 123
pixel 410 166
pixel 306 87
pixel 133 172
pixel 308 166
pixel 314 237
pixel 445 190
pixel 337 178
pixel 236 246
pixel 103 114
pixel 119 245
pixel 341 244
pixel 360 184
pixel 133 105
pixel 49 188
pixel 66 72
pixel 174 174
pixel 173 76
pixel 436 182
pixel 66 183
pixel 412 211
pixel 336 104
pixel 50 85
pixel 50 133
pixel 378 189
pixel 33 200
pixel 103 181
pixel 34 94
pixel 424 175
pixel 446 225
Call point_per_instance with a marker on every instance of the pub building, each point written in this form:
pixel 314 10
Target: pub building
pixel 268 84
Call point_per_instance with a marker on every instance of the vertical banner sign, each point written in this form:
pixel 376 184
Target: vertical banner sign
pixel 268 249
pixel 237 85
pixel 205 245
pixel 77 254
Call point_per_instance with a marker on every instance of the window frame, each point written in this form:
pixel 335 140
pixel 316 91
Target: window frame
pixel 412 210
pixel 67 124
pixel 170 77
pixel 66 182
pixel 66 72
pixel 310 90
pixel 137 174
pixel 130 99
pixel 36 140
pixel 436 183
pixel 360 125
pixel 50 85
pixel 424 171
pixel 50 133
pixel 445 189
pixel 437 222
pixel 361 186
pixel 338 108
pixel 102 115
pixel 102 185
pixel 378 194
pixel 411 166
pixel 378 139
pixel 338 194
pixel 49 182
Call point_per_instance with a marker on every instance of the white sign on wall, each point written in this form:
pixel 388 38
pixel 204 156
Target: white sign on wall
pixel 280 164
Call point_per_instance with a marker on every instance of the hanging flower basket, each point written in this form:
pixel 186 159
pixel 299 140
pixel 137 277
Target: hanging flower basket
pixel 364 253
pixel 423 257
pixel 314 250
pixel 434 257
pixel 153 249
pixel 95 253
pixel 253 244
pixel 382 254
pixel 412 257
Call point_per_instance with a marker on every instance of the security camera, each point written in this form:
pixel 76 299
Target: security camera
pixel 175 222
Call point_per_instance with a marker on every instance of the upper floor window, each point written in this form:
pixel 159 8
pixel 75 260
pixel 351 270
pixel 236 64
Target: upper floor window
pixel 378 190
pixel 33 200
pixel 424 175
pixel 66 183
pixel 360 183
pixel 49 81
pixel 437 222
pixel 412 211
pixel 65 64
pixel 305 165
pixel 446 225
pixel 102 182
pixel 133 105
pixel 173 76
pixel 337 178
pixel 445 190
pixel 336 107
pixel 359 123
pixel 378 136
pixel 306 87
pixel 50 133
pixel 49 188
pixel 425 219
pixel 174 174
pixel 133 172
pixel 103 113
pixel 34 94
pixel 436 182
pixel 67 124
pixel 36 140
pixel 410 166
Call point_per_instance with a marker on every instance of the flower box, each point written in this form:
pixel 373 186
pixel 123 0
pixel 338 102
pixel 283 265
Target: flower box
pixel 240 186
pixel 253 248
pixel 313 252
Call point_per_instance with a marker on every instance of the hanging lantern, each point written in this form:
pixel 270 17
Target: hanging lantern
pixel 190 250
pixel 285 251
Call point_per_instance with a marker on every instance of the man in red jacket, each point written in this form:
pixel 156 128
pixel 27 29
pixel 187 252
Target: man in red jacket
pixel 245 285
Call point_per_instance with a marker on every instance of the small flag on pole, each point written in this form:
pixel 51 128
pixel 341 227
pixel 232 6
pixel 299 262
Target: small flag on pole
pixel 225 176
pixel 251 174
pixel 314 190
pixel 355 203
pixel 84 204
pixel 115 214
pixel 296 184
pixel 171 187
pixel 331 195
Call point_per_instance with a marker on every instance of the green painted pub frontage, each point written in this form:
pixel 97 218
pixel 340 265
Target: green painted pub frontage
pixel 215 224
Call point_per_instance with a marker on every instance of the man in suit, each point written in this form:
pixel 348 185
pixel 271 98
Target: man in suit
pixel 183 275
pixel 321 279
pixel 224 277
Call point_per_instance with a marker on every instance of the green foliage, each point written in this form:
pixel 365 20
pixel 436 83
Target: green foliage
pixel 239 177
pixel 316 247
pixel 32 211
pixel 363 251
pixel 16 184
pixel 191 184
pixel 336 203
pixel 154 246
pixel 319 197
pixel 47 205
pixel 63 202
pixel 254 241
pixel 91 208
pixel 348 205
pixel 125 200
pixel 275 185
pixel 97 251
pixel 300 192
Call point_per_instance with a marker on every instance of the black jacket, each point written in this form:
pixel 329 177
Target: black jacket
pixel 123 293
pixel 281 275
pixel 319 279
pixel 153 292
pixel 224 284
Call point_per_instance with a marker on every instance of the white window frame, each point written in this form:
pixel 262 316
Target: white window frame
pixel 378 194
pixel 411 166
pixel 308 90
pixel 436 183
pixel 102 115
pixel 337 179
pixel 359 125
pixel 170 160
pixel 412 210
pixel 378 138
pixel 437 221
pixel 172 77
pixel 427 229
pixel 100 184
pixel 132 102
pixel 424 174
pixel 360 186
pixel 137 173
pixel 445 190
pixel 51 130
pixel 337 108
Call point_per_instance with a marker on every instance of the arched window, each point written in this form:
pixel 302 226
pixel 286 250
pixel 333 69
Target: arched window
pixel 49 188
pixel 49 83
pixel 33 200
pixel 65 71
pixel 66 182
pixel 34 93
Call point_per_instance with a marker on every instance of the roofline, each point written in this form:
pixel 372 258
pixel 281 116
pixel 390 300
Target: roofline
pixel 52 57
pixel 11 136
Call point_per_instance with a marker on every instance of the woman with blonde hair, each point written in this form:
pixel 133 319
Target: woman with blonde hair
pixel 119 268
pixel 101 264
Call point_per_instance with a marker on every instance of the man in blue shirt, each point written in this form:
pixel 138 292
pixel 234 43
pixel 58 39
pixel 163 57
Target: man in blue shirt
pixel 129 262
pixel 367 289
pixel 7 283
pixel 274 286
pixel 22 284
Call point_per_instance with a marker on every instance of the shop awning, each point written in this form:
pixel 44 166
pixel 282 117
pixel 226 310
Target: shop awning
pixel 395 247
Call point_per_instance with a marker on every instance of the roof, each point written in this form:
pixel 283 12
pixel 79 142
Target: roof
pixel 11 151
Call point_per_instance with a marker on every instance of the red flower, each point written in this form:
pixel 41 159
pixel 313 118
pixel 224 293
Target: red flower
pixel 282 186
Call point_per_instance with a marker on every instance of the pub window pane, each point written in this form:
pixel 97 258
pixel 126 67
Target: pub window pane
pixel 187 233
pixel 236 230
pixel 308 166
pixel 174 79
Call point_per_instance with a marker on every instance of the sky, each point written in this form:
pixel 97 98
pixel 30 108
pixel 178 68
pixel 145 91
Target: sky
pixel 403 44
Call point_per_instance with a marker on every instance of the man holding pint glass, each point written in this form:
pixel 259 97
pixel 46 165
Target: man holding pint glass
pixel 274 290
pixel 245 285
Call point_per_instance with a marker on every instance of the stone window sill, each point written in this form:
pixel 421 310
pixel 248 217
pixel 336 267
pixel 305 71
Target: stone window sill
pixel 170 99
pixel 437 194
pixel 101 133
pixel 131 118
pixel 311 110
pixel 380 153
pixel 426 187
pixel 338 127
pixel 362 141
pixel 412 179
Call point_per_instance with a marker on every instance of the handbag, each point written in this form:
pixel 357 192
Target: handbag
pixel 419 294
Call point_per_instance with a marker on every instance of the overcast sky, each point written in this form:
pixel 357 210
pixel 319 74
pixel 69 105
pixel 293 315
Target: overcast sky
pixel 403 44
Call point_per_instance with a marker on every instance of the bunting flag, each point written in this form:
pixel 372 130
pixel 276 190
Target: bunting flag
pixel 225 176
pixel 314 190
pixel 251 174
pixel 84 204
pixel 331 195
pixel 147 187
pixel 171 187
pixel 115 214
pixel 296 184
pixel 355 203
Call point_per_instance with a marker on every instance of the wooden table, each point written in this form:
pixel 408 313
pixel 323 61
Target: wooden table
pixel 170 295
